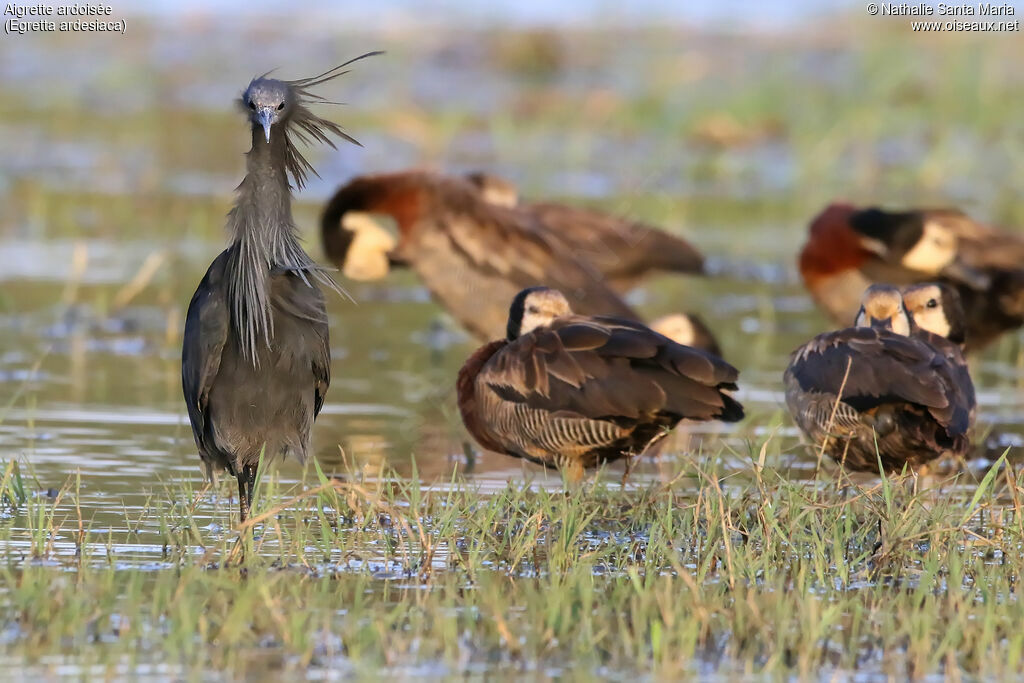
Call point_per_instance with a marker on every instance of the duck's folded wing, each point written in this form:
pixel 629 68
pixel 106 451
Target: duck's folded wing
pixel 618 247
pixel 510 243
pixel 883 368
pixel 605 370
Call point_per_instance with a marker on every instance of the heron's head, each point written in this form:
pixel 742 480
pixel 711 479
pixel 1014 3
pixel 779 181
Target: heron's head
pixel 268 102
pixel 535 307
pixel 881 307
pixel 936 308
pixel 281 109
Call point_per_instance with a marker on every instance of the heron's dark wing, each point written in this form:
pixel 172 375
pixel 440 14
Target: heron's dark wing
pixel 206 331
pixel 883 368
pixel 603 368
pixel 297 296
pixel 321 363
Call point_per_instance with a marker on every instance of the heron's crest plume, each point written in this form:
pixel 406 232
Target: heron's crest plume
pixel 265 239
pixel 306 126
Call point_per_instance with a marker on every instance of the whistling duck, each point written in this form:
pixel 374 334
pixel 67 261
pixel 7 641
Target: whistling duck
pixel 849 249
pixel 624 251
pixel 470 254
pixel 905 399
pixel 574 391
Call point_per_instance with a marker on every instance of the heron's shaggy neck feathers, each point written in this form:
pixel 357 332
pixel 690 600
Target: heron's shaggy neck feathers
pixel 261 222
pixel 267 241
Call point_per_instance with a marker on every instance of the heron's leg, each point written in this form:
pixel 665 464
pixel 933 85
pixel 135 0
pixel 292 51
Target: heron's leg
pixel 246 482
pixel 243 497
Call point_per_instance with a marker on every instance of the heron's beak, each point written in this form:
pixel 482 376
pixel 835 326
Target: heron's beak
pixel 266 117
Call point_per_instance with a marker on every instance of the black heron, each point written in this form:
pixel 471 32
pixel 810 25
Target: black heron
pixel 255 362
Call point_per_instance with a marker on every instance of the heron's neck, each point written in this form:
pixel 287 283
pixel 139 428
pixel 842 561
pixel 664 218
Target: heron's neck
pixel 264 234
pixel 262 218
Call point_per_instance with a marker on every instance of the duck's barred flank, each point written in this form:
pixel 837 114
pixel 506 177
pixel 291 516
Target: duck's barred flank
pixel 531 430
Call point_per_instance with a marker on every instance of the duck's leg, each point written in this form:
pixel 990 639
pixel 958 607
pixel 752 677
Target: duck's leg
pixel 630 459
pixel 572 470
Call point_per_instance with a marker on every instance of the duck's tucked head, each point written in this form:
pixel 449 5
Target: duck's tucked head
pixel 936 308
pixel 494 190
pixel 933 251
pixel 535 307
pixel 881 307
pixel 909 238
pixel 366 255
pixel 678 327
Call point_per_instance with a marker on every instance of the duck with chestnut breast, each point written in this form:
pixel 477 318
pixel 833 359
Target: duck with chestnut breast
pixel 471 255
pixel 623 250
pixel 575 391
pixel 883 389
pixel 850 248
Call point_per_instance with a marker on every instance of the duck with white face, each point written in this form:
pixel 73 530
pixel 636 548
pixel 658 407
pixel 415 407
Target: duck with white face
pixel 574 391
pixel 881 392
pixel 474 245
pixel 535 307
pixel 495 189
pixel 936 308
pixel 687 329
pixel 849 248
